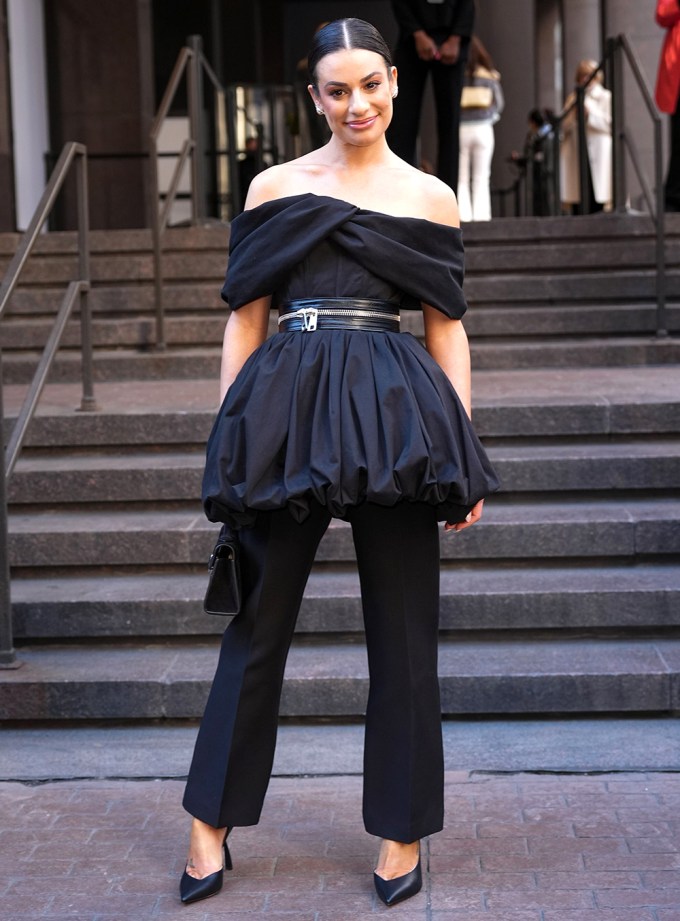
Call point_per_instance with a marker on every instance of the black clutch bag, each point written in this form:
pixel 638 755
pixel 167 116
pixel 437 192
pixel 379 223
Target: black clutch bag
pixel 223 595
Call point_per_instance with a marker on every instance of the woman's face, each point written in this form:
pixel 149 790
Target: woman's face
pixel 354 89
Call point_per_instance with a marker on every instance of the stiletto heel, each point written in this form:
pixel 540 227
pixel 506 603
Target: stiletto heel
pixel 403 887
pixel 228 865
pixel 193 890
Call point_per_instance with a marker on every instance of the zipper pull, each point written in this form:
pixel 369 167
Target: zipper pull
pixel 309 319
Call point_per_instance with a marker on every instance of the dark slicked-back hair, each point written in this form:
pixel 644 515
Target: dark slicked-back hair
pixel 344 34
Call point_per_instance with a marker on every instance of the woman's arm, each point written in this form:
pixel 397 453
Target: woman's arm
pixel 246 330
pixel 247 327
pixel 598 106
pixel 446 341
pixel 499 98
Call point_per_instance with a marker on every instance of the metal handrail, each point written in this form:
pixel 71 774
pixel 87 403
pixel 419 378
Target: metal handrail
pixel 619 48
pixel 78 291
pixel 190 60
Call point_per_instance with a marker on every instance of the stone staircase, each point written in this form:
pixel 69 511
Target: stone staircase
pixel 545 292
pixel 564 599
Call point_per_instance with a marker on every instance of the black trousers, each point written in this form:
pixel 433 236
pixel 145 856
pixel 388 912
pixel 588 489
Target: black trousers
pixel 672 187
pixel 398 558
pixel 447 84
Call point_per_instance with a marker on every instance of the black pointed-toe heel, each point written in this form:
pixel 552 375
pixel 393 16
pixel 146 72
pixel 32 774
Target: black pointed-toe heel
pixel 193 890
pixel 396 890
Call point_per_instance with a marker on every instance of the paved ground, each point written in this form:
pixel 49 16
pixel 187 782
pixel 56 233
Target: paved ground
pixel 518 847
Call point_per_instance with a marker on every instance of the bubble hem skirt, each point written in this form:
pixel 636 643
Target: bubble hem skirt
pixel 342 417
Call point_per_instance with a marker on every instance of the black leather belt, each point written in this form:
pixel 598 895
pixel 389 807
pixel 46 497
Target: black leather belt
pixel 306 315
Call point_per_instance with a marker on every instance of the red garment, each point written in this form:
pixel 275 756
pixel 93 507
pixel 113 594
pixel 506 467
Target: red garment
pixel 668 79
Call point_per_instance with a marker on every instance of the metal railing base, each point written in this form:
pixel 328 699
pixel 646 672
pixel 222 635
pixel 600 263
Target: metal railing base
pixel 9 660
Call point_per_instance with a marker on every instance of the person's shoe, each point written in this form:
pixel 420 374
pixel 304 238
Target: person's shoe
pixel 193 890
pixel 396 890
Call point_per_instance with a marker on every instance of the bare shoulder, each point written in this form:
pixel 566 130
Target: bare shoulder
pixel 267 186
pixel 290 178
pixel 437 201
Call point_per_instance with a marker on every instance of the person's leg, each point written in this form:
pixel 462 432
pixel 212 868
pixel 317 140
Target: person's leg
pixel 464 173
pixel 481 172
pixel 398 557
pixel 672 186
pixel 402 133
pixel 235 746
pixel 447 83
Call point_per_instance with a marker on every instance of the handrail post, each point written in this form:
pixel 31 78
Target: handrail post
pixel 195 94
pixel 618 132
pixel 661 329
pixel 583 165
pixel 234 181
pixel 88 402
pixel 8 657
pixel 557 168
pixel 156 241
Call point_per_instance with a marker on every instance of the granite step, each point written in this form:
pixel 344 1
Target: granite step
pixel 126 268
pixel 576 256
pixel 572 352
pixel 203 327
pixel 485 597
pixel 519 404
pixel 613 287
pixel 122 300
pixel 200 236
pixel 594 228
pixel 627 530
pixel 169 680
pixel 178 363
pixel 98 477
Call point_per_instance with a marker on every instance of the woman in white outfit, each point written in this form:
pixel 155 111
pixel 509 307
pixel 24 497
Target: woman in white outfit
pixel 598 114
pixel 481 106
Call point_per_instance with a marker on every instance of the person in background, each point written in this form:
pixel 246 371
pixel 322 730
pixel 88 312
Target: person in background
pixel 537 162
pixel 481 106
pixel 668 93
pixel 598 115
pixel 434 36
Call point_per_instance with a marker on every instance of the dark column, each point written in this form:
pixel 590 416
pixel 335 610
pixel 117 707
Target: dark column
pixel 7 221
pixel 101 87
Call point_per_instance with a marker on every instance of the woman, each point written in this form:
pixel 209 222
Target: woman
pixel 481 105
pixel 598 115
pixel 339 415
pixel 667 93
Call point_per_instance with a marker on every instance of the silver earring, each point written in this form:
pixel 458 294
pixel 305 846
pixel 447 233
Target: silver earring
pixel 395 93
pixel 319 111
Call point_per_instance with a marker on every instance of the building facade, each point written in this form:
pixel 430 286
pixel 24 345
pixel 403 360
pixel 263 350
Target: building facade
pixel 95 73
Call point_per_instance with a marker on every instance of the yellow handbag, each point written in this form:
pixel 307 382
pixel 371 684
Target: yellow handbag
pixel 476 97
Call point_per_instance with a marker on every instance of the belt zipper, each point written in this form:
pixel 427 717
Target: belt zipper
pixel 309 315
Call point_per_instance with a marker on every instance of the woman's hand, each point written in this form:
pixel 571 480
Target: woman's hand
pixel 473 516
pixel 426 47
pixel 449 51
